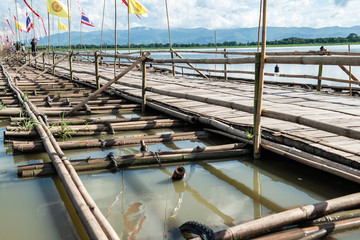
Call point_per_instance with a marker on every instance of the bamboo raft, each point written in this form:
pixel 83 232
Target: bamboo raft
pixel 316 129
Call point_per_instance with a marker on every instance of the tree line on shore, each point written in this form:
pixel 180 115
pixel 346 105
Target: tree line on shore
pixel 351 38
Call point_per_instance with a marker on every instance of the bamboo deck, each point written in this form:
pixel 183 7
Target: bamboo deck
pixel 341 111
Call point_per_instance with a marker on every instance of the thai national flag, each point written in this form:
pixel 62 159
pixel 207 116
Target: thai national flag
pixel 29 24
pixel 85 20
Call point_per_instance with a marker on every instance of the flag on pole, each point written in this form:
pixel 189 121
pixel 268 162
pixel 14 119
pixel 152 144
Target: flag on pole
pixel 85 20
pixel 78 3
pixel 57 8
pixel 136 8
pixel 10 27
pixel 19 26
pixel 37 16
pixel 126 4
pixel 29 24
pixel 62 26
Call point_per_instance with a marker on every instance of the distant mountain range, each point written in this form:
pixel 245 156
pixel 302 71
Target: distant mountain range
pixel 198 35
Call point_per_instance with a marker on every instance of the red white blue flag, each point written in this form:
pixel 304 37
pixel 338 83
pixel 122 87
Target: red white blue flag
pixel 85 20
pixel 29 24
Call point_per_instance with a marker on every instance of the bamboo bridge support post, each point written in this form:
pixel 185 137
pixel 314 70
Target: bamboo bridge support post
pixel 143 95
pixel 43 61
pixel 319 77
pixel 91 96
pixel 53 58
pixel 70 63
pixel 225 66
pixel 35 58
pixel 350 75
pixel 260 87
pixel 97 76
pixel 256 99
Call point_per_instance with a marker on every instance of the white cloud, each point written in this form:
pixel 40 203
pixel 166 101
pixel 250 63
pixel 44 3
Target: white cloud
pixel 212 14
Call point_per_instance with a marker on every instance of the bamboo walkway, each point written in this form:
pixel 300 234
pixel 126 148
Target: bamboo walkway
pixel 320 124
pixel 296 123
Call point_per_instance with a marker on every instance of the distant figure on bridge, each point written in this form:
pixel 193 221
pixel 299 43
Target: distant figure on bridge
pixel 33 47
pixel 323 49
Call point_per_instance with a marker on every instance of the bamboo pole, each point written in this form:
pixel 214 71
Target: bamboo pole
pixel 314 231
pixel 71 66
pixel 26 64
pixel 107 85
pixel 323 60
pixel 257 118
pixel 128 18
pixel 48 68
pixel 53 59
pixel 350 75
pixel 143 88
pixel 17 32
pixel 203 75
pixel 49 30
pixel 69 23
pixel 348 72
pixel 149 159
pixel 43 59
pixel 225 66
pixel 97 129
pixel 171 50
pixel 256 100
pixel 258 45
pixel 115 39
pixel 102 27
pixel 33 146
pixel 268 223
pixel 319 78
pixel 97 75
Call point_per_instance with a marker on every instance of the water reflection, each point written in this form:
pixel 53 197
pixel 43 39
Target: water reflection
pixel 134 218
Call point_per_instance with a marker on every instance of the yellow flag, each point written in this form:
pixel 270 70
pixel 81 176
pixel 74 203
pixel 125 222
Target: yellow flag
pixel 137 8
pixel 20 26
pixel 62 26
pixel 57 8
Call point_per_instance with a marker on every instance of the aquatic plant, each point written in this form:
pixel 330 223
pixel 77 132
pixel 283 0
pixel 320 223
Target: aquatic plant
pixel 249 135
pixel 65 130
pixel 25 123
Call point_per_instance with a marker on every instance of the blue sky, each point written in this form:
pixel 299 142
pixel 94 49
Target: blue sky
pixel 212 14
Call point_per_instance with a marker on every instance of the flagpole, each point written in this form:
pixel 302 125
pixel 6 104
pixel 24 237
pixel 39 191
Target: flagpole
pixel 16 32
pixel 69 21
pixel 33 20
pixel 49 29
pixel 59 32
pixel 80 36
pixel 53 23
pixel 115 40
pixel 102 27
pixel 171 50
pixel 129 28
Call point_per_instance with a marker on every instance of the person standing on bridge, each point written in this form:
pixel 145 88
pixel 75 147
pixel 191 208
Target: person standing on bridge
pixel 33 47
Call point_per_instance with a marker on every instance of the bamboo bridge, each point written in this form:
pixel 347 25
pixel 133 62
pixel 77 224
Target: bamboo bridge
pixel 314 128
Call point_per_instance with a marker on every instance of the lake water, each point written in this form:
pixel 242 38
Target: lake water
pixel 146 204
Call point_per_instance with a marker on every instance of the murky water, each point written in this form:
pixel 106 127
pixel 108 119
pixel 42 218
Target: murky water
pixel 146 204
